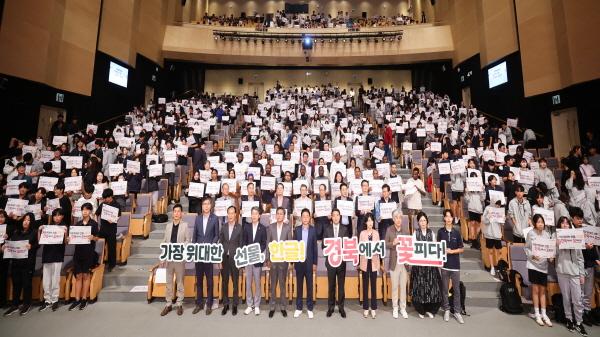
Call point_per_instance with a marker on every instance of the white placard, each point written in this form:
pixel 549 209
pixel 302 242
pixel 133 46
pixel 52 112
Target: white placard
pixel 155 170
pixel 395 184
pixel 119 187
pixel 115 169
pixel 93 128
pixel 16 249
pixel 526 177
pixel 15 206
pixel 495 196
pixel 36 209
pixel 544 248
pixel 572 238
pixel 474 184
pixel 300 204
pixel 73 161
pixel 221 207
pixel 213 187
pixel 322 208
pixel 497 214
pixel 12 186
pixel 170 155
pixel 547 214
pixel 73 184
pixel 2 233
pixel 436 147
pixel 267 183
pixel 52 235
pixel 109 213
pixel 133 166
pixel 48 183
pixel 79 235
pixel 196 190
pixel 592 235
pixel 444 168
pixel 365 203
pixel 594 182
pixel 458 166
pixel 386 209
pixel 378 153
pixel 59 140
pixel 346 207
pixel 247 208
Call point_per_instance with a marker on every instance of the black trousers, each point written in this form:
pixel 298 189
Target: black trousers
pixel 369 276
pixel 229 270
pixel 204 270
pixel 4 264
pixel 21 277
pixel 109 234
pixel 334 274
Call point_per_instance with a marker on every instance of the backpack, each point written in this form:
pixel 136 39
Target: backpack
pixel 509 296
pixel 502 271
pixel 559 310
pixel 463 295
pixel 160 218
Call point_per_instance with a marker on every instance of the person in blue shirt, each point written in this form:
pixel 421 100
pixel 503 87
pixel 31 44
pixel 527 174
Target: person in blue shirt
pixel 451 268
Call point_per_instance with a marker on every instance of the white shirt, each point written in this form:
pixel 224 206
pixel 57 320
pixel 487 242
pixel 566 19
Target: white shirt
pixel 254 229
pixel 231 226
pixel 279 229
pixel 336 230
pixel 204 223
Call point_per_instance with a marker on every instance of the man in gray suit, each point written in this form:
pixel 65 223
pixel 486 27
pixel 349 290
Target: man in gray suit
pixel 176 232
pixel 278 231
pixel 230 237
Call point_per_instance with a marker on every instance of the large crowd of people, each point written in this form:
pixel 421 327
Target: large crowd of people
pixel 281 19
pixel 301 146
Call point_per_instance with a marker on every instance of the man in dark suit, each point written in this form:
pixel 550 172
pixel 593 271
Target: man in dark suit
pixel 199 158
pixel 280 201
pixel 206 229
pixel 306 269
pixel 346 221
pixel 335 230
pixel 278 231
pixel 230 236
pixel 254 232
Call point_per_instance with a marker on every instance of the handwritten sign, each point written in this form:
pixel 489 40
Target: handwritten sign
pixel 73 184
pixel 119 187
pixel 573 238
pixel 16 206
pixel 115 169
pixel 543 248
pixel 109 213
pixel 16 249
pixel 547 214
pixel 48 183
pixel 592 235
pixel 386 209
pixel 322 208
pixel 444 168
pixel 133 166
pixel 79 235
pixel 196 190
pixel 52 235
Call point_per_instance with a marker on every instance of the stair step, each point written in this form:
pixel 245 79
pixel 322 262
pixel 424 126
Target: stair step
pixel 144 259
pixel 121 294
pixel 128 275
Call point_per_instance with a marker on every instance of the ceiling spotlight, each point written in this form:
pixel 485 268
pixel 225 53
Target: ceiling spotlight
pixel 322 40
pixel 262 41
pixel 216 37
pixel 384 39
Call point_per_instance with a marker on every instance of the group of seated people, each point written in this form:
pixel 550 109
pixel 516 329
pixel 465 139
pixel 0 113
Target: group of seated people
pixel 307 146
pixel 281 19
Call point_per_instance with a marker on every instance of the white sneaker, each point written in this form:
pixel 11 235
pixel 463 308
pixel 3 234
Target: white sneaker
pixel 421 316
pixel 492 271
pixel 248 311
pixel 538 320
pixel 546 320
pixel 404 313
pixel 373 313
pixel 459 318
pixel 429 314
pixel 447 315
pixel 297 313
pixel 395 313
pixel 366 313
pixel 256 311
pixel 310 314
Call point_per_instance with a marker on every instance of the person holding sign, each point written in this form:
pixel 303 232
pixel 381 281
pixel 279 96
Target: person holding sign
pixel 519 211
pixel 108 225
pixel 279 231
pixel 398 271
pixel 492 232
pixel 22 269
pixel 590 261
pixel 383 218
pixel 281 201
pixel 413 190
pixel 475 201
pixel 254 232
pixel 250 197
pixel 306 269
pixel 570 272
pixel 53 256
pixel 346 220
pixel 537 269
pixel 369 268
pixel 84 258
pixel 451 268
pixel 7 227
pixel 335 230
pixel 206 230
pixel 492 186
pixel 361 214
pixel 321 221
pixel 583 196
pixel 230 236
pixel 425 280
pixel 444 174
pixel 175 232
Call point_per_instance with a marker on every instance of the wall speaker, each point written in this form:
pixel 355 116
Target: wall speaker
pixel 240 81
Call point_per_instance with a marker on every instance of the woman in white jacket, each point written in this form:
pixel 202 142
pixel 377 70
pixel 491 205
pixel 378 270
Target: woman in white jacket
pixel 582 197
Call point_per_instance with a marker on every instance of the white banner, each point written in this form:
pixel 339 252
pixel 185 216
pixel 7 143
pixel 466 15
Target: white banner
pixel 572 238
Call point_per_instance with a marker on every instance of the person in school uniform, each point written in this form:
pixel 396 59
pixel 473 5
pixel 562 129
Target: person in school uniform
pixel 451 268
pixel 108 230
pixel 84 258
pixel 519 212
pixel 53 256
pixel 22 269
pixel 537 269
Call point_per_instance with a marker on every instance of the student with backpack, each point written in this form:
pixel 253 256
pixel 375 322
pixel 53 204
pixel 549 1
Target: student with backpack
pixel 537 269
pixel 451 268
pixel 570 273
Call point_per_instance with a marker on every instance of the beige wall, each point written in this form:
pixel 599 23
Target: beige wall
pixel 226 80
pixel 51 42
pixel 419 43
pixel 559 43
pixel 479 27
pixel 133 26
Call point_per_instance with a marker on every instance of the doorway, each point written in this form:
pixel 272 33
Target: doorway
pixel 48 115
pixel 258 89
pixel 466 96
pixel 565 131
pixel 148 95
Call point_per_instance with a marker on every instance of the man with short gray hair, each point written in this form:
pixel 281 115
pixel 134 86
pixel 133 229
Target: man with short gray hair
pixel 398 272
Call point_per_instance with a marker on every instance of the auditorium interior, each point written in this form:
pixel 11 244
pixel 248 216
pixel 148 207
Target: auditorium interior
pixel 473 118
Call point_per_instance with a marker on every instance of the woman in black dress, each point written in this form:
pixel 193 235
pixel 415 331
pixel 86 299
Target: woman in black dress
pixel 425 281
pixel 84 259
